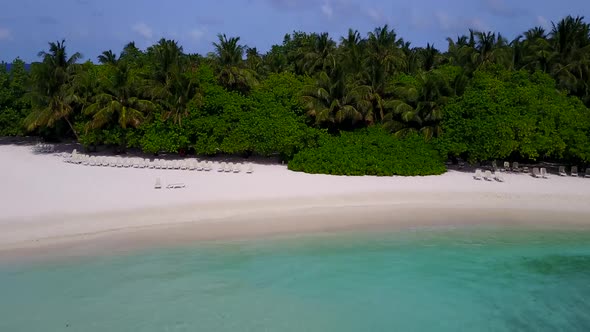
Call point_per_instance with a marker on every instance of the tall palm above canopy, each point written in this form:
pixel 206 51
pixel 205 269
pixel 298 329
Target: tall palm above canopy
pixel 52 93
pixel 570 38
pixel 107 57
pixel 321 55
pixel 351 52
pixel 167 57
pixel 384 57
pixel 229 54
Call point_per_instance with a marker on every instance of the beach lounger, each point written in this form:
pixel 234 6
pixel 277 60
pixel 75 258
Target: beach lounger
pixel 536 173
pixel 543 172
pixel 499 177
pixel 192 165
pixel 506 166
pixel 208 166
pixel 157 164
pixel 477 175
pixel 562 171
pixel 229 167
pixel 158 184
pixel 183 165
pixel 221 167
pixel 250 168
pixel 494 165
pixel 176 185
pixel 587 173
pixel 237 168
pixel 525 170
pixel 177 164
pixel 488 176
pixel 169 164
pixel 515 167
pixel 200 166
pixel 574 171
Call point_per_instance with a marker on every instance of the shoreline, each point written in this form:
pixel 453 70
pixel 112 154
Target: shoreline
pixel 128 231
pixel 55 208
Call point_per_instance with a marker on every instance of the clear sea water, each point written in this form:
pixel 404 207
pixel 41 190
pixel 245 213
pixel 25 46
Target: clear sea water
pixel 449 279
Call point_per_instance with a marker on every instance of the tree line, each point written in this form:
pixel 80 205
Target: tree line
pixel 484 98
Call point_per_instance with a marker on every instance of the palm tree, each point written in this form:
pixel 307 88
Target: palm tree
pixel 52 93
pixel 229 54
pixel 119 102
pixel 570 39
pixel 107 57
pixel 176 98
pixel 418 106
pixel 330 100
pixel 351 51
pixel 167 57
pixel 321 54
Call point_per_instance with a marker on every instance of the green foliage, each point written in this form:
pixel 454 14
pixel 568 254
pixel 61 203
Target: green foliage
pixel 370 151
pixel 506 113
pixel 14 104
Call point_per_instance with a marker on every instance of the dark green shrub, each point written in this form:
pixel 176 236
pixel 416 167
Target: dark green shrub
pixel 370 151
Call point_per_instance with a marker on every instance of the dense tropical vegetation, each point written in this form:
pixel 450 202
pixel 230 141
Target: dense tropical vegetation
pixel 356 105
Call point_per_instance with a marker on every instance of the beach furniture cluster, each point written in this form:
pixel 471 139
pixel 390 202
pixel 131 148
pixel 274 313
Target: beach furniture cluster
pixel 133 162
pixel 488 175
pixel 44 148
pixel 536 172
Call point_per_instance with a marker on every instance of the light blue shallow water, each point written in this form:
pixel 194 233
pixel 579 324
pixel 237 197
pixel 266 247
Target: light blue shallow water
pixel 467 279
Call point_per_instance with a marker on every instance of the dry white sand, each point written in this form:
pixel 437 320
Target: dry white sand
pixel 46 202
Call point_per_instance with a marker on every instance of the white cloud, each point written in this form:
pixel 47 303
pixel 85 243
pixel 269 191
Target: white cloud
pixel 143 30
pixel 197 34
pixel 458 24
pixel 542 21
pixel 5 34
pixel 375 15
pixel 327 9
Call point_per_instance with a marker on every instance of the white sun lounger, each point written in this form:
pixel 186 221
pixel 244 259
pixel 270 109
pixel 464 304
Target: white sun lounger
pixel 574 171
pixel 207 166
pixel 543 173
pixel 487 176
pixel 237 168
pixel 250 168
pixel 229 167
pixel 158 184
pixel 536 173
pixel 477 175
pixel 515 167
pixel 176 185
pixel 199 166
pixel 191 165
pixel 183 165
pixel 221 167
pixel 506 166
pixel 499 177
pixel 587 173
pixel 562 171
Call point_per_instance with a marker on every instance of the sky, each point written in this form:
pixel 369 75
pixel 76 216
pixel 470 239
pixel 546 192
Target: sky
pixel 91 26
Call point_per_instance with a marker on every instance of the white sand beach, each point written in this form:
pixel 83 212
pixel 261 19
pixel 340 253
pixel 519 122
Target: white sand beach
pixel 49 203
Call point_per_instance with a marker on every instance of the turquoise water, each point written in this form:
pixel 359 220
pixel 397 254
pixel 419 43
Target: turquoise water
pixel 464 279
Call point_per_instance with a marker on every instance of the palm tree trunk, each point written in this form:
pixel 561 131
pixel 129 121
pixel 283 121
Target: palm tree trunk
pixel 72 128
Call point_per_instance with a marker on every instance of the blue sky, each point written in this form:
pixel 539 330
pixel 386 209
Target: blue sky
pixel 91 26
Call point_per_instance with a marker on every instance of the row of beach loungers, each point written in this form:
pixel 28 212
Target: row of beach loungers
pixel 190 164
pixel 44 148
pixel 536 172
